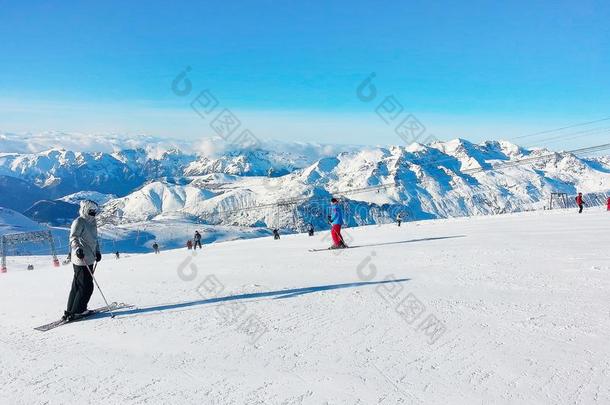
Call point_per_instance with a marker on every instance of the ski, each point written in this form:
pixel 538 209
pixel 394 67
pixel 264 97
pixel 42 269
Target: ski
pixel 55 324
pixel 334 250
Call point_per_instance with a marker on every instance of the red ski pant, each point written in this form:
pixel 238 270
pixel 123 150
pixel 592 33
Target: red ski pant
pixel 335 232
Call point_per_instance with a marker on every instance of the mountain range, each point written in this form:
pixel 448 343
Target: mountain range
pixel 290 189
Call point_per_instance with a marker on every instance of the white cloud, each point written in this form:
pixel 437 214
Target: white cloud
pixel 32 143
pixel 155 146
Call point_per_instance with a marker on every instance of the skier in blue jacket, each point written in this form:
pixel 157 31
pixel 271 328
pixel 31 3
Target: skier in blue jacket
pixel 336 220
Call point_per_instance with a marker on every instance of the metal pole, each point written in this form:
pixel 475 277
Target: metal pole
pixel 3 253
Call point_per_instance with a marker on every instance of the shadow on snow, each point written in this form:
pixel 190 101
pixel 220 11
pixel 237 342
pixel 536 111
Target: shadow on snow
pixel 280 294
pixel 409 241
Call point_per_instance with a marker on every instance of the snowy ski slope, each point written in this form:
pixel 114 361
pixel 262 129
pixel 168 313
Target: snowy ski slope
pixel 523 300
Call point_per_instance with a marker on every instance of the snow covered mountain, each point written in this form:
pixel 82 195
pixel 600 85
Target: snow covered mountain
pixel 76 198
pixel 445 179
pixel 247 163
pixel 155 199
pixel 60 172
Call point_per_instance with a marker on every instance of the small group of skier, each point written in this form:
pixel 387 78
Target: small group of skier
pixel 197 239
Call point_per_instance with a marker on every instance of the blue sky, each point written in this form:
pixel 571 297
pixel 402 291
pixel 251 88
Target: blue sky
pixel 289 70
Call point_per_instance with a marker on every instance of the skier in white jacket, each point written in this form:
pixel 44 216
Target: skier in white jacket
pixel 85 251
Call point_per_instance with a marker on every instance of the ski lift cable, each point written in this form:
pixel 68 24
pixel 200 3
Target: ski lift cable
pixel 571 136
pixel 562 128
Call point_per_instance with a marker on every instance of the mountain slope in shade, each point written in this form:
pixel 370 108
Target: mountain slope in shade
pixel 54 213
pixel 61 172
pixel 18 194
pixel 14 222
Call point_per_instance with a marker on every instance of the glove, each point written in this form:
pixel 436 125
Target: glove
pixel 98 256
pixel 329 219
pixel 80 254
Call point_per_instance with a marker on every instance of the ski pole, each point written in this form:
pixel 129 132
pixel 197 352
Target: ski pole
pixel 94 279
pixel 99 289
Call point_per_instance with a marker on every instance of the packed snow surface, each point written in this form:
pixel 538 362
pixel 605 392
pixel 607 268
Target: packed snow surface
pixel 523 300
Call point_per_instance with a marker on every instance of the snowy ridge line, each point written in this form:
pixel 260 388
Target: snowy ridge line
pixel 589 149
pixel 520 162
pixel 499 167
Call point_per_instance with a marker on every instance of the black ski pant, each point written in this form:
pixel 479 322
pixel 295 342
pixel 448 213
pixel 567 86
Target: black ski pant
pixel 82 288
pixel 580 206
pixel 197 243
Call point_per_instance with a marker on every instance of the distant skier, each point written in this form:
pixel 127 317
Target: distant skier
pixel 85 251
pixel 117 255
pixel 155 247
pixel 336 220
pixel 310 230
pixel 399 218
pixel 276 234
pixel 580 202
pixel 197 239
pixel 189 244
